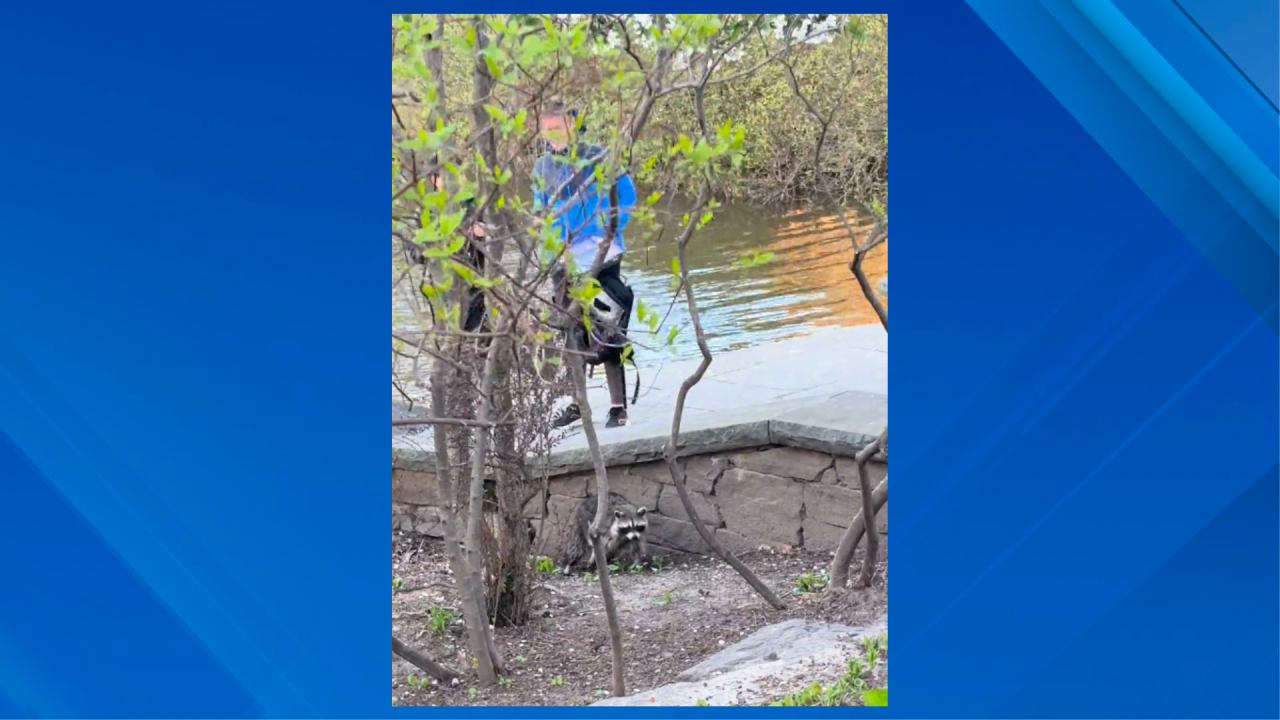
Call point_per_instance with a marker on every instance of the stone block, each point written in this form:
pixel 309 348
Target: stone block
pixel 401 517
pixel 414 487
pixel 533 508
pixel 702 472
pixel 735 543
pixel 549 539
pixel 847 472
pixel 760 506
pixel 417 519
pixel 829 476
pixel 675 534
pixel 795 463
pixel 820 536
pixel 655 471
pixel 669 504
pixel 560 509
pixel 831 504
pixel 639 491
pixel 574 485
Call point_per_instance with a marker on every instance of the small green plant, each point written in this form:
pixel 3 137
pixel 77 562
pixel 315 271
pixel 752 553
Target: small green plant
pixel 635 568
pixel 666 599
pixel 473 693
pixel 588 577
pixel 613 568
pixel 504 681
pixel 809 582
pixel 658 561
pixel 700 703
pixel 396 582
pixel 557 681
pixel 440 619
pixel 545 566
pixel 812 695
pixel 521 659
pixel 413 681
pixel 849 689
pixel 878 697
pixel 872 646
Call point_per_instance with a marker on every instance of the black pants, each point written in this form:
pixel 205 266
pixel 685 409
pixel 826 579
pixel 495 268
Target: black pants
pixel 475 320
pixel 610 279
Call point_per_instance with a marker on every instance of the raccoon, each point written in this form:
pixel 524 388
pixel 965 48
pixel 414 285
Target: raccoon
pixel 625 537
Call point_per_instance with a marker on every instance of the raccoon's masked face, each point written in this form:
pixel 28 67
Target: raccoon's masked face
pixel 628 525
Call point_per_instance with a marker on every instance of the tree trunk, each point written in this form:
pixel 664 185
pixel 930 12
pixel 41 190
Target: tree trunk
pixel 470 593
pixel 475 512
pixel 611 612
pixel 849 542
pixel 864 521
pixel 602 514
pixel 869 524
pixel 677 472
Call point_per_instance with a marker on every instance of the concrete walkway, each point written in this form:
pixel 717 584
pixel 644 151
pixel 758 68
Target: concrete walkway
pixel 827 390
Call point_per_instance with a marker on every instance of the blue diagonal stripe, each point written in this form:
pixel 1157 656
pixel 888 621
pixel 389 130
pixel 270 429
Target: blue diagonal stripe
pixel 1013 547
pixel 1185 101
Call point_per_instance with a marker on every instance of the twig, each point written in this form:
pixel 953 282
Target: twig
pixel 878 236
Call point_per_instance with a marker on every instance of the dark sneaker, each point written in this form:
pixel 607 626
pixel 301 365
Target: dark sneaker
pixel 617 417
pixel 568 416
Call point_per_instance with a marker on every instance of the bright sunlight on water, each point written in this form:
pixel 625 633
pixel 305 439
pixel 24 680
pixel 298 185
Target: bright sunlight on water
pixel 806 284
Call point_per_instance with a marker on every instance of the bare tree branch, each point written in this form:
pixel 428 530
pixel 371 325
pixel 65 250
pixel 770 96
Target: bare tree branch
pixel 422 662
pixel 864 520
pixel 677 470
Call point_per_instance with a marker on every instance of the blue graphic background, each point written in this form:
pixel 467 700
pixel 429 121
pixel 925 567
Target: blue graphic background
pixel 1085 366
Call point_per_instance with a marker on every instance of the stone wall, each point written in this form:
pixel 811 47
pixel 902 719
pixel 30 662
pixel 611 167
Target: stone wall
pixel 765 496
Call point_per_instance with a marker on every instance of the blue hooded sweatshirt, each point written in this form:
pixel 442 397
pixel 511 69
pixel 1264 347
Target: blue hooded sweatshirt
pixel 585 204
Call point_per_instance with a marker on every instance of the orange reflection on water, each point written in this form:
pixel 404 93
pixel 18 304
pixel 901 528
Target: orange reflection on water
pixel 815 255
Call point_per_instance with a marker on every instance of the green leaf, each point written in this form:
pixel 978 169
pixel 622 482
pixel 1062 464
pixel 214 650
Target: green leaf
pixel 502 200
pixel 496 113
pixel 653 198
pixel 671 336
pixel 465 272
pixel 675 264
pixel 878 697
pixel 471 36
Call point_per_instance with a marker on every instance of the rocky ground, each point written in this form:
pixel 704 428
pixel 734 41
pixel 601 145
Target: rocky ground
pixel 672 619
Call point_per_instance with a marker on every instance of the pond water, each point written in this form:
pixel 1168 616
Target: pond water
pixel 807 283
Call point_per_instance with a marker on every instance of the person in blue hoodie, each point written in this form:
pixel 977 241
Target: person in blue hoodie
pixel 580 207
